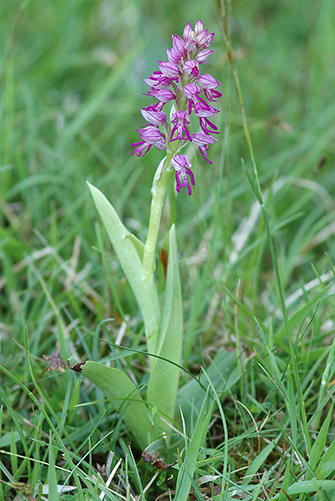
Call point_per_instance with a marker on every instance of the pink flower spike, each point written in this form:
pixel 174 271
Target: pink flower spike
pixel 181 165
pixel 179 83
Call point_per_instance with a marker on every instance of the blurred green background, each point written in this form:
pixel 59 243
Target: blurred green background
pixel 71 92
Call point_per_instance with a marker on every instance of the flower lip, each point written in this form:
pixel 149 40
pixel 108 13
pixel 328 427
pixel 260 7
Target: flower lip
pixel 180 119
pixel 203 141
pixel 182 165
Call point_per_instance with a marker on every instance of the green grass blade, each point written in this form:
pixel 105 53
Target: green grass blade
pixel 52 478
pixel 307 486
pixel 186 472
pixel 224 374
pixel 319 444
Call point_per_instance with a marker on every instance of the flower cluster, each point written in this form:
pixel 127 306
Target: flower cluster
pixel 179 81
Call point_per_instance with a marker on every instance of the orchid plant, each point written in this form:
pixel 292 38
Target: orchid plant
pixel 178 85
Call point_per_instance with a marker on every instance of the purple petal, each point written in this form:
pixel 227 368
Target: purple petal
pixel 199 27
pixel 150 134
pixel 203 55
pixel 201 139
pixel 187 34
pixel 153 117
pixel 173 56
pixel 181 165
pixel 206 81
pixel 178 45
pixel 163 95
pixel 170 70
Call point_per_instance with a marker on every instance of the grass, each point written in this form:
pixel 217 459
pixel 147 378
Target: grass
pixel 71 89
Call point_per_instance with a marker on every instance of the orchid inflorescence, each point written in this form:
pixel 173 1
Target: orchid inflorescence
pixel 179 83
pixel 181 73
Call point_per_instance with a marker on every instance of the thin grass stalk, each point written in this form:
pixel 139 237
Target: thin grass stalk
pixel 52 427
pixel 257 189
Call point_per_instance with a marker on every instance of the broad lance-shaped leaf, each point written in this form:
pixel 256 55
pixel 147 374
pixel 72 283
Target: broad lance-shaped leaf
pixel 122 394
pixel 164 376
pixel 130 260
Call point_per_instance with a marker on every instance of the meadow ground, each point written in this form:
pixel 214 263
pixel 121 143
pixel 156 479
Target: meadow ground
pixel 257 279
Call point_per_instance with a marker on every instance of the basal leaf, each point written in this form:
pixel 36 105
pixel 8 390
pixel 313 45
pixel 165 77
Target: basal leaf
pixel 123 395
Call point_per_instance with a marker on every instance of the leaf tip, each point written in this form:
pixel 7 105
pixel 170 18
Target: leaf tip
pixel 74 365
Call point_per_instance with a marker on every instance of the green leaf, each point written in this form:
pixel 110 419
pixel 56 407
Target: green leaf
pixel 257 463
pixel 164 376
pixel 311 486
pixel 139 246
pixel 128 255
pixel 319 444
pixel 327 463
pixel 52 477
pixel 6 439
pixel 123 395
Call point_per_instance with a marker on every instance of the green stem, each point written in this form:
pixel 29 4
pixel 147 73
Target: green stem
pixel 158 192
